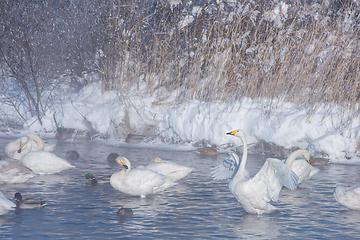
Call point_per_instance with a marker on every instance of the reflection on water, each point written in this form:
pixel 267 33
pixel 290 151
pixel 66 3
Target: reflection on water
pixel 197 207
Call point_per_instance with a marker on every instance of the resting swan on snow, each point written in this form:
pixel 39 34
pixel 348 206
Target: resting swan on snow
pixel 255 194
pixel 138 181
pixel 169 169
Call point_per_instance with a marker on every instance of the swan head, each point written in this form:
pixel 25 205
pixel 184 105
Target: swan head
pixel 306 155
pixel 123 161
pixel 238 133
pixel 23 142
pixel 157 159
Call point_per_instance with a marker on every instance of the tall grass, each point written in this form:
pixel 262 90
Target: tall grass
pixel 308 55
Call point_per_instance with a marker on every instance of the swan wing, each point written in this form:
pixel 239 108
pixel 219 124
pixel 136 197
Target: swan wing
pixel 270 179
pixel 12 171
pixel 303 170
pixel 228 168
pixel 141 178
pixel 170 169
pixel 348 196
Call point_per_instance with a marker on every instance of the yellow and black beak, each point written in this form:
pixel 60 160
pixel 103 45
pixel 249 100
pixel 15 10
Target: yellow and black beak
pixel 232 133
pixel 124 165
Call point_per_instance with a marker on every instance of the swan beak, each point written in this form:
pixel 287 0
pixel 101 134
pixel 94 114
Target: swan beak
pixel 308 160
pixel 124 165
pixel 232 133
pixel 20 149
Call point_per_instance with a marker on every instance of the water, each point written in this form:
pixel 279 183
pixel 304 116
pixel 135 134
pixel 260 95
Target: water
pixel 196 208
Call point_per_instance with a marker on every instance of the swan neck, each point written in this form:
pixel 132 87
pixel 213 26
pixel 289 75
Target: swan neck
pixel 291 159
pixel 241 171
pixel 40 143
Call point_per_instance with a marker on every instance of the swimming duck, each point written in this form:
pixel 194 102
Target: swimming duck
pixel 12 171
pixel 5 204
pixel 208 150
pixel 28 203
pixel 90 179
pixel 64 133
pixel 138 181
pixel 134 138
pixel 169 169
pixel 72 155
pixel 124 212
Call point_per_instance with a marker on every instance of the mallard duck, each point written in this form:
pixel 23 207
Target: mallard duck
pixel 90 179
pixel 124 212
pixel 208 150
pixel 134 138
pixel 169 169
pixel 28 203
pixel 5 204
pixel 255 194
pixel 138 181
pixel 64 133
pixel 319 161
pixel 12 171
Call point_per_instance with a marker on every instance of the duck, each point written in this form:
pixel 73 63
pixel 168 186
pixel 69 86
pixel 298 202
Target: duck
pixel 169 169
pixel 64 133
pixel 138 181
pixel 255 194
pixel 12 171
pixel 209 151
pixel 5 204
pixel 28 203
pixel 134 138
pixel 124 212
pixel 41 162
pixel 319 161
pixel 112 157
pixel 348 195
pixel 90 179
pixel 228 168
pixel 301 167
pixel 72 155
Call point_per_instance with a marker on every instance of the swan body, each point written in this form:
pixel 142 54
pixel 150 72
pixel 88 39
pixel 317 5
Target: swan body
pixel 301 167
pixel 169 169
pixel 348 196
pixel 228 168
pixel 5 204
pixel 28 203
pixel 41 162
pixel 12 171
pixel 138 181
pixel 255 194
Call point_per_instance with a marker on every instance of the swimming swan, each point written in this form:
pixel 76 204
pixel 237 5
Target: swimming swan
pixel 169 169
pixel 138 181
pixel 31 142
pixel 255 194
pixel 301 167
pixel 348 196
pixel 12 171
pixel 5 204
pixel 41 162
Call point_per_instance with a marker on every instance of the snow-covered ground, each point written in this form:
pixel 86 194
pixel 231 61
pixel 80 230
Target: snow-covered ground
pixel 181 125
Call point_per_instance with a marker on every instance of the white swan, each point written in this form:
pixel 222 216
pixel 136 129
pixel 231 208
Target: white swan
pixel 12 171
pixel 138 181
pixel 228 168
pixel 255 194
pixel 169 169
pixel 5 204
pixel 301 167
pixel 41 162
pixel 31 141
pixel 348 196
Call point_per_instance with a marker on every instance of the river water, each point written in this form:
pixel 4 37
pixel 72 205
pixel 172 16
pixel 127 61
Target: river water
pixel 197 208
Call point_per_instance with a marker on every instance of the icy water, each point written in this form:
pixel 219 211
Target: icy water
pixel 197 208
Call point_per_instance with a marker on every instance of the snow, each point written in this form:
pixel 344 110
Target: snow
pixel 184 124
